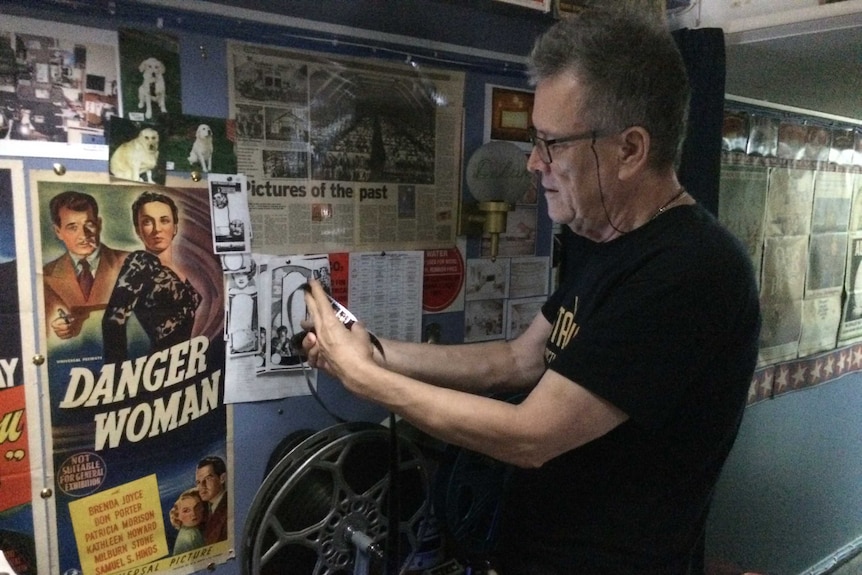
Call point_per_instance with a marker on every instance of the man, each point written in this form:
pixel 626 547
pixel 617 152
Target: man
pixel 637 369
pixel 211 481
pixel 80 281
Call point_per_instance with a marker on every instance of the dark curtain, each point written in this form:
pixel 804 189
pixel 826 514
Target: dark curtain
pixel 700 165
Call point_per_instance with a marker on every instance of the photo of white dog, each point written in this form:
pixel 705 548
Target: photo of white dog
pixel 202 149
pixel 152 88
pixel 137 156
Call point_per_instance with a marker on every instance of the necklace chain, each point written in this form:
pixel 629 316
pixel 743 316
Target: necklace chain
pixel 667 204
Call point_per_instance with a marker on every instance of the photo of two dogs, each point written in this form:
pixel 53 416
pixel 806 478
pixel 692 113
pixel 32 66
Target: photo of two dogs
pixel 142 150
pixel 137 158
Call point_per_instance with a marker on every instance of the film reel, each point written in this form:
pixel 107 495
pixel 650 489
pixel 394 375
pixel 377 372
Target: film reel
pixel 468 497
pixel 468 492
pixel 329 486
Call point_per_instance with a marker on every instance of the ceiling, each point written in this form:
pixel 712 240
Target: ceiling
pixel 813 64
pixel 815 67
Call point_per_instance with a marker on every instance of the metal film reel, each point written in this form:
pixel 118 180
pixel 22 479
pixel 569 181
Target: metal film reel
pixel 331 485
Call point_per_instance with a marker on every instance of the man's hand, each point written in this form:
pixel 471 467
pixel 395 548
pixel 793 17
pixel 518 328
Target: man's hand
pixel 66 325
pixel 330 345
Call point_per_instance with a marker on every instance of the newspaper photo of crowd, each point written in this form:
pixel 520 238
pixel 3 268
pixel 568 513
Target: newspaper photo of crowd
pixel 366 128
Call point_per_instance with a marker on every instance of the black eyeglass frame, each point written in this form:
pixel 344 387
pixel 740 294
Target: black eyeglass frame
pixel 546 144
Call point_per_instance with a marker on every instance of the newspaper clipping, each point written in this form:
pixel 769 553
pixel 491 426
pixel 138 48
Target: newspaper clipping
pixel 345 154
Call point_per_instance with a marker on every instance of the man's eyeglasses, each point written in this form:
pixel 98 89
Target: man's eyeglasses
pixel 543 146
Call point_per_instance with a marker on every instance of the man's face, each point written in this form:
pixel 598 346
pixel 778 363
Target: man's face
pixel 208 483
pixel 570 180
pixel 220 200
pixel 79 231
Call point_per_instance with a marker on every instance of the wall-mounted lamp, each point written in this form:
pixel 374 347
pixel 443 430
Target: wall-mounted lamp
pixel 497 178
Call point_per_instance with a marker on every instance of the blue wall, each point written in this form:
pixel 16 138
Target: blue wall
pixel 791 492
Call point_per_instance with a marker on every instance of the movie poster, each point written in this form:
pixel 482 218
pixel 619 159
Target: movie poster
pixel 16 514
pixel 134 302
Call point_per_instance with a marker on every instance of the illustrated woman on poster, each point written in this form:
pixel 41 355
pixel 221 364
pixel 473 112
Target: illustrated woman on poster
pixel 151 284
pixel 188 516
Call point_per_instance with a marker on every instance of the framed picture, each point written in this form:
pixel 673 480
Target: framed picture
pixel 508 114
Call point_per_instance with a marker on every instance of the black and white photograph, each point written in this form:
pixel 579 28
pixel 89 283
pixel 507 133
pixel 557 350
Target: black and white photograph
pixel 520 313
pixel 484 320
pixel 289 125
pixel 369 127
pixel 231 222
pixel 287 307
pixel 285 164
pixel 249 122
pixel 241 322
pixel 486 279
pixel 261 79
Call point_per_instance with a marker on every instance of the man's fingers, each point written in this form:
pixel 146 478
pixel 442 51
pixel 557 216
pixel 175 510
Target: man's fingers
pixel 320 309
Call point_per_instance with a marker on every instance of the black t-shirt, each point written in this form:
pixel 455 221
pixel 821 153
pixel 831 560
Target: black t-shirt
pixel 663 322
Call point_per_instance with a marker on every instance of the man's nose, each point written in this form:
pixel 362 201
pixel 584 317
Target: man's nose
pixel 534 161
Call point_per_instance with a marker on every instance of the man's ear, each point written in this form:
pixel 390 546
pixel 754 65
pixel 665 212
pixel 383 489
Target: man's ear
pixel 633 151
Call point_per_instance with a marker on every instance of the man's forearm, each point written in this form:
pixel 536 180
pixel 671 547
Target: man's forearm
pixel 477 368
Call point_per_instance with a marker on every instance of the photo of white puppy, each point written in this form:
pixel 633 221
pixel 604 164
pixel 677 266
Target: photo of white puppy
pixel 152 88
pixel 137 156
pixel 202 149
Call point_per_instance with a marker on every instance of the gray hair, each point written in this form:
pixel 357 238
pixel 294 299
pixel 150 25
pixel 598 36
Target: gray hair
pixel 631 69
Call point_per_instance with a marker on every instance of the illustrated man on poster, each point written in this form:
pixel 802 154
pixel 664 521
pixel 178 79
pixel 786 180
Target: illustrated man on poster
pixel 80 281
pixel 211 481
